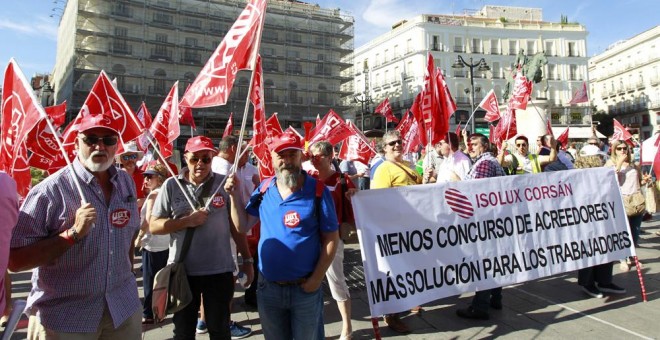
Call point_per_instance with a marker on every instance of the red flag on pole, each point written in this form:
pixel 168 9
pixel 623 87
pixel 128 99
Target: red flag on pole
pixel 416 112
pixel 448 104
pixel 165 127
pixel 522 89
pixel 620 132
pixel 332 129
pixel 356 147
pixel 262 154
pixel 257 99
pixel 507 127
pixel 385 109
pixel 237 51
pixel 144 116
pixel 104 99
pixel 273 127
pixel 489 103
pixel 548 127
pixel 563 138
pixel 458 129
pixel 581 95
pixel 408 127
pixel 57 113
pixel 20 114
pixel 229 128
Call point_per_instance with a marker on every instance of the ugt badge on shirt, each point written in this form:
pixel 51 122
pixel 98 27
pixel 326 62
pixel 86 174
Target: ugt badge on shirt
pixel 218 201
pixel 291 219
pixel 120 217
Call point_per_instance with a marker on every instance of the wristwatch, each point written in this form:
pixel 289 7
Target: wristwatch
pixel 250 260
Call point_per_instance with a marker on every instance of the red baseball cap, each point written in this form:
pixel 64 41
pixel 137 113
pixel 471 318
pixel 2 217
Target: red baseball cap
pixel 96 121
pixel 200 143
pixel 285 141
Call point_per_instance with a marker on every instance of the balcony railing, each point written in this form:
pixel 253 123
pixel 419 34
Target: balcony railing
pixel 460 49
pixel 161 54
pixel 494 51
pixel 120 48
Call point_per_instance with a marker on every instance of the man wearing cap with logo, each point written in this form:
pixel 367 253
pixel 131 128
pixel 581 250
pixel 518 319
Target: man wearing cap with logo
pixel 298 242
pixel 82 285
pixel 209 264
pixel 127 159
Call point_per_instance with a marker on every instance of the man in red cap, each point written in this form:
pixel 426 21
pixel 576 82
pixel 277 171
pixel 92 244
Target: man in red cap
pixel 209 263
pixel 82 284
pixel 297 245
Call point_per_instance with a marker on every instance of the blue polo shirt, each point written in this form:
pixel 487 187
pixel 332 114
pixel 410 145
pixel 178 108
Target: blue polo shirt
pixel 290 241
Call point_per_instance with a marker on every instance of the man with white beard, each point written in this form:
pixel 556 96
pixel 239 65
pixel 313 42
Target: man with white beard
pixel 299 235
pixel 82 284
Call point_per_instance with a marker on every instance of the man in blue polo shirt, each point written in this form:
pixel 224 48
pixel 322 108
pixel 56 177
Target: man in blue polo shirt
pixel 298 241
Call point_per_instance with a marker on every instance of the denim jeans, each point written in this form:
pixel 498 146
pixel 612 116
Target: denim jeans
pixel 287 312
pixel 218 290
pixel 635 227
pixel 152 262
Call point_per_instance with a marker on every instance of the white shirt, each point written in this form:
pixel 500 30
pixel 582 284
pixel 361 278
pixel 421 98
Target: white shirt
pixel 457 163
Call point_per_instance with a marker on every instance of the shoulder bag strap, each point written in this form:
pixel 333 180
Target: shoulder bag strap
pixel 187 240
pixel 413 177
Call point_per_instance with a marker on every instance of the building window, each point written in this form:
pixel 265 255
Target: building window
pixel 435 43
pixel 572 50
pixel 293 94
pixel 121 31
pixel 494 46
pixel 550 48
pixel 513 47
pixel 531 47
pixel 192 42
pixel 323 95
pixel 458 45
pixel 476 46
pixel 159 86
pixel 161 38
pixel 269 90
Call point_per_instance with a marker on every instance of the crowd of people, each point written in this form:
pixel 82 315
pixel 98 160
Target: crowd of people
pixel 222 222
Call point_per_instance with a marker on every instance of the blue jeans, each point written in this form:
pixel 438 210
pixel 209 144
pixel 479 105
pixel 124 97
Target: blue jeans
pixel 635 226
pixel 152 262
pixel 287 312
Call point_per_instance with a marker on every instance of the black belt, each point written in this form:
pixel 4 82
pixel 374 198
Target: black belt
pixel 295 282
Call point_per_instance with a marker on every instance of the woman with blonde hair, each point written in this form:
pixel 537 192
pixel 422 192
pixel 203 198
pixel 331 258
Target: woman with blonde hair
pixel 630 180
pixel 155 247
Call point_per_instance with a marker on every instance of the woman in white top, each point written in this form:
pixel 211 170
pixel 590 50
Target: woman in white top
pixel 630 179
pixel 155 248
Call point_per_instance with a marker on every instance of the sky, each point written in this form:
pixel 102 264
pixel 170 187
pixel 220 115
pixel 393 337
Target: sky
pixel 28 28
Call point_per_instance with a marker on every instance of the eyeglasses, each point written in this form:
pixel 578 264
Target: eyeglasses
pixel 521 144
pixel 94 140
pixel 195 160
pixel 624 148
pixel 129 157
pixel 319 156
pixel 395 142
pixel 593 143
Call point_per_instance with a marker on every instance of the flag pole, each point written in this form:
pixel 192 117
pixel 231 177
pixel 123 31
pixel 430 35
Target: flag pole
pixel 249 93
pixel 169 169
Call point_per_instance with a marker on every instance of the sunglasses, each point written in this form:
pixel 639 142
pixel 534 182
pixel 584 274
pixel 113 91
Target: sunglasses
pixel 94 140
pixel 593 143
pixel 622 148
pixel 195 160
pixel 522 144
pixel 148 176
pixel 395 142
pixel 129 157
pixel 319 156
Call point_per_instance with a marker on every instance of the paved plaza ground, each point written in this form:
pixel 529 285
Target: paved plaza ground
pixel 549 308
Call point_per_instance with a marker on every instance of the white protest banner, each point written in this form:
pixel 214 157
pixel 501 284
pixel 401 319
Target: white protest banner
pixel 425 242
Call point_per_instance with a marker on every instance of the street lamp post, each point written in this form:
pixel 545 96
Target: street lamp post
pixel 481 67
pixel 364 100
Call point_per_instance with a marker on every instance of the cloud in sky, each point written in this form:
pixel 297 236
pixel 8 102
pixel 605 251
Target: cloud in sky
pixel 40 27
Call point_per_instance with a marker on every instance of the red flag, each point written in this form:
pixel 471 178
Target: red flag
pixel 384 109
pixel 620 132
pixel 458 130
pixel 356 147
pixel 548 127
pixel 332 129
pixel 581 95
pixel 236 51
pixel 308 126
pixel 262 154
pixel 448 104
pixel 507 127
pixel 489 103
pixel 522 89
pixel 57 113
pixel 492 134
pixel 563 138
pixel 273 127
pixel 165 127
pixel 256 97
pixel 229 128
pixel 408 127
pixel 318 119
pixel 416 111
pixel 104 99
pixel 20 114
pixel 144 116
